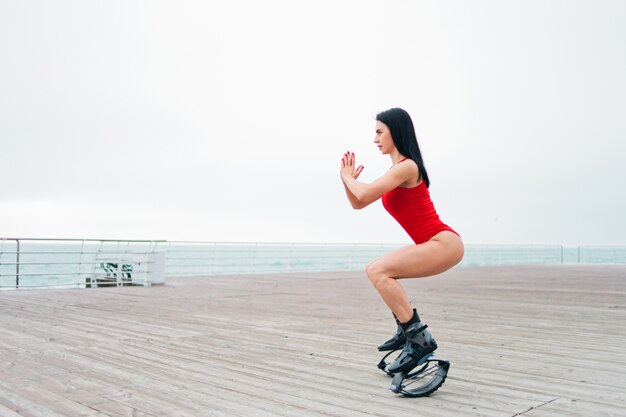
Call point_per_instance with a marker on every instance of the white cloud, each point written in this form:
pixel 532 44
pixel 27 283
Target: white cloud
pixel 226 121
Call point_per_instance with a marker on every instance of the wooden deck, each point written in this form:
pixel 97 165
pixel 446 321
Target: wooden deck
pixel 523 341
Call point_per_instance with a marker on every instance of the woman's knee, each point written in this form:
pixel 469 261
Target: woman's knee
pixel 372 269
pixel 376 272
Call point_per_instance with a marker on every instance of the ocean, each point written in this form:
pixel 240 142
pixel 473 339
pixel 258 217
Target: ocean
pixel 63 264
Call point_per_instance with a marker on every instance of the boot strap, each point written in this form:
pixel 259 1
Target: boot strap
pixel 424 327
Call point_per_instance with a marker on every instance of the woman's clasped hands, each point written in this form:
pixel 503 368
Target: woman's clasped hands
pixel 348 170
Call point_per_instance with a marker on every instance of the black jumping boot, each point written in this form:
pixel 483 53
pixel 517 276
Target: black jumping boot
pixel 419 343
pixel 396 341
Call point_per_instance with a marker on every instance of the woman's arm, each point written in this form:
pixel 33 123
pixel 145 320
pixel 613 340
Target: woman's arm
pixel 354 202
pixel 362 194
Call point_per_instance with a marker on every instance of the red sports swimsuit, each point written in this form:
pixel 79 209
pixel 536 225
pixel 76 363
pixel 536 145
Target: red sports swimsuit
pixel 414 210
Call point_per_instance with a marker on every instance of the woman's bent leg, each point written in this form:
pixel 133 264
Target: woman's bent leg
pixel 390 290
pixel 415 261
pixel 433 257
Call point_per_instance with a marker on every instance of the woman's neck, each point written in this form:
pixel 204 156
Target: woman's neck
pixel 396 157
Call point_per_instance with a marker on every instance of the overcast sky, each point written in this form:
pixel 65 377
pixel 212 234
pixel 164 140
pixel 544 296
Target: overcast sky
pixel 226 120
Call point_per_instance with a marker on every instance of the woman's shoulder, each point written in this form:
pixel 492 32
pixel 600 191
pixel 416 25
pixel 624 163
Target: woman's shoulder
pixel 406 164
pixel 408 161
pixel 408 169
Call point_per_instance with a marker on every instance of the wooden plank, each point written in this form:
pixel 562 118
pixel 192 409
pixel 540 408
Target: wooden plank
pixel 576 408
pixel 522 340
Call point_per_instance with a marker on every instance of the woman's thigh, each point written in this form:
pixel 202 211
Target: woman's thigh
pixel 437 255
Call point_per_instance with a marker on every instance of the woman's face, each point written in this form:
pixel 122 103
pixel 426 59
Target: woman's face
pixel 383 138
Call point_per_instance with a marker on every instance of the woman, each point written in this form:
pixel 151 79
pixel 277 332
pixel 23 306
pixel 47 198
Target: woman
pixel 437 248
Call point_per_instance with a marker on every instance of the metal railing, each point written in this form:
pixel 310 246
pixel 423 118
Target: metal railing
pixel 188 258
pixel 80 263
pixel 43 262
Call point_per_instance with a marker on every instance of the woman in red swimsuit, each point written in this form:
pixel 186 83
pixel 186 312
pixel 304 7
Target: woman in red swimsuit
pixel 405 195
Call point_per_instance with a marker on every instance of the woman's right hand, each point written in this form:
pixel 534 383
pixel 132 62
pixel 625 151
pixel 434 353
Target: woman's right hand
pixel 347 167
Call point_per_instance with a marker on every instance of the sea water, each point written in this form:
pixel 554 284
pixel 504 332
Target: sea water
pixel 71 264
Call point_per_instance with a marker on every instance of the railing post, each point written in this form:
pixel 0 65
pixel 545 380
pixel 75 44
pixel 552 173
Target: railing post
pixel 80 262
pixel 17 265
pixel 324 257
pixel 351 256
pixel 254 257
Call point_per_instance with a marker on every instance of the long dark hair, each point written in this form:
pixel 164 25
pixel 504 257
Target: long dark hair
pixel 404 138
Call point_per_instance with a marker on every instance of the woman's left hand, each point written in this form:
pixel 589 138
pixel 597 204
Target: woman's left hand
pixel 347 167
